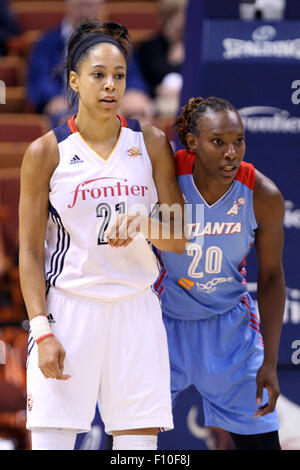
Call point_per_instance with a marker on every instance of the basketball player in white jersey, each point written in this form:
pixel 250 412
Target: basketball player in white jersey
pixel 97 335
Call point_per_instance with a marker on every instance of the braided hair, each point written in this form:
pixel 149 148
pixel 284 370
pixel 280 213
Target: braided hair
pixel 187 122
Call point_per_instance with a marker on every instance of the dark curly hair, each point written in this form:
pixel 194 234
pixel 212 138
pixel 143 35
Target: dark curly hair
pixel 191 113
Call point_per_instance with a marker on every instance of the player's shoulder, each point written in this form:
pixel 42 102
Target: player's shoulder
pixel 264 187
pixel 158 146
pixel 153 134
pixel 42 153
pixel 44 146
pixel 268 200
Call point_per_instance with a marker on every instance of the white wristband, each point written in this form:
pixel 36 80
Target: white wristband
pixel 40 328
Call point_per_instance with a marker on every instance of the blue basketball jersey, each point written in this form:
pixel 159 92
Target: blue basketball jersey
pixel 209 278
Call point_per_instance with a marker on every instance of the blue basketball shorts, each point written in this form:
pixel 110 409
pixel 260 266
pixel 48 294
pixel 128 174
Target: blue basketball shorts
pixel 220 356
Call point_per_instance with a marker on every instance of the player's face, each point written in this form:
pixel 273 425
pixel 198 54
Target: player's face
pixel 219 144
pixel 101 79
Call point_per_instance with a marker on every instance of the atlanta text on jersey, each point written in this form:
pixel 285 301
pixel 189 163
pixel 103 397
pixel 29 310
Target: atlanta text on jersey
pixel 213 228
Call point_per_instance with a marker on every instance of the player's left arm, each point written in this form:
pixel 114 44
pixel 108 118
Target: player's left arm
pixel 169 194
pixel 166 231
pixel 269 212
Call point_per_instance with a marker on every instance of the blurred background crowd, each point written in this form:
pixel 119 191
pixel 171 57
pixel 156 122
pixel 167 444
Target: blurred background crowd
pixel 33 36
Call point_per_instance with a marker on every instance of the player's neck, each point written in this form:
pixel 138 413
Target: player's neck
pixel 97 129
pixel 209 185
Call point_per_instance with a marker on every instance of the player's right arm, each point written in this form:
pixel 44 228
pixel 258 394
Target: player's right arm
pixel 39 163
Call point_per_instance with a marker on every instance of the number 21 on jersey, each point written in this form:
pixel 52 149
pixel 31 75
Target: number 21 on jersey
pixel 104 211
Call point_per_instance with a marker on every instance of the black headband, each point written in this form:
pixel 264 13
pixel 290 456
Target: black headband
pixel 91 41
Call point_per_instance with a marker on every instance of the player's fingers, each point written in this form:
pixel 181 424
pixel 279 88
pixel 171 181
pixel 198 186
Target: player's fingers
pixel 122 232
pixel 263 410
pixel 124 243
pixel 61 359
pixel 113 234
pixel 259 391
pixel 112 230
pixel 270 406
pixel 45 373
pixel 58 374
pixel 127 242
pixel 128 230
pixel 53 369
pixel 46 368
pixel 129 225
pixel 63 377
pixel 48 373
pixel 273 395
pixel 134 227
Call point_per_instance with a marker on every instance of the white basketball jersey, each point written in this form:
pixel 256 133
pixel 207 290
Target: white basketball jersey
pixel 86 194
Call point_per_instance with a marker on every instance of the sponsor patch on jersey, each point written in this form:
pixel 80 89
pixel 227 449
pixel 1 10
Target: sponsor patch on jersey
pixel 134 152
pixel 187 283
pixel 117 187
pixel 210 286
pixel 235 208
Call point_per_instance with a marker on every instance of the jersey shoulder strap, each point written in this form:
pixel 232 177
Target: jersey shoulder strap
pixel 184 162
pixel 246 175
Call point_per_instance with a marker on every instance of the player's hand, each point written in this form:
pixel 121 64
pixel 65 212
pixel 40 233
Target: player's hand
pixel 124 229
pixel 51 358
pixel 266 378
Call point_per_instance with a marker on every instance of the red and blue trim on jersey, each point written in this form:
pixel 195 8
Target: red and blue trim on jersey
pixel 69 127
pixel 62 246
pixel 157 285
pixel 254 322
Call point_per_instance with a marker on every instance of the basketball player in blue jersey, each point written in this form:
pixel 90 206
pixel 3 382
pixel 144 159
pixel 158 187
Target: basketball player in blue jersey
pixel 216 341
pixel 98 333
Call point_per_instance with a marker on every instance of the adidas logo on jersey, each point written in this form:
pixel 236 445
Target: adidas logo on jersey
pixel 75 159
pixel 50 318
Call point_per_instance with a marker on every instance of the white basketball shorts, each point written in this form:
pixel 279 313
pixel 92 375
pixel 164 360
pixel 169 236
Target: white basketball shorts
pixel 116 354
